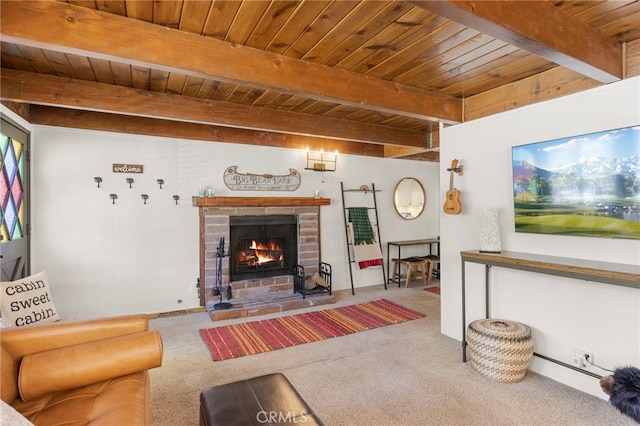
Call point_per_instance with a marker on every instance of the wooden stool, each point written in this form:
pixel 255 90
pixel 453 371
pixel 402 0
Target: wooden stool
pixel 414 266
pixel 431 260
pixel 422 265
pixel 397 273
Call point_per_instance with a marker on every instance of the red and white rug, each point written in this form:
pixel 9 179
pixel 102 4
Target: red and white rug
pixel 233 341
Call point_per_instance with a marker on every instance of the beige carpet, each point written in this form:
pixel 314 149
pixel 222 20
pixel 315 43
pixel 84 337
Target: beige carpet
pixel 405 374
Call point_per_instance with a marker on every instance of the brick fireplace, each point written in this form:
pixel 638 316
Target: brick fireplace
pixel 256 295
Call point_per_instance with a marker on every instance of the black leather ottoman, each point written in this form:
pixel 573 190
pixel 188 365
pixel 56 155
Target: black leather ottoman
pixel 264 400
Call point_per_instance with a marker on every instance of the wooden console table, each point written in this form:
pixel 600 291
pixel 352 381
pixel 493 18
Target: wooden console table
pixel 604 272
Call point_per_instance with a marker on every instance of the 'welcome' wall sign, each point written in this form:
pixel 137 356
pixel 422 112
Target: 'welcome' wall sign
pixel 128 168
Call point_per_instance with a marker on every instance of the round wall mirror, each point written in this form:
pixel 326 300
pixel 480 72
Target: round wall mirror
pixel 409 198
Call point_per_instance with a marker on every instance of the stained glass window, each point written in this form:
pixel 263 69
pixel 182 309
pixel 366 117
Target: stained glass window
pixel 12 167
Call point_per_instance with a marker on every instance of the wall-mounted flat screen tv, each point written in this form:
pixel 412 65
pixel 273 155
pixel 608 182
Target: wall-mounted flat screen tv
pixel 586 185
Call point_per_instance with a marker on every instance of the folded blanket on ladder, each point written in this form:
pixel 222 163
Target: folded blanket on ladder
pixel 366 249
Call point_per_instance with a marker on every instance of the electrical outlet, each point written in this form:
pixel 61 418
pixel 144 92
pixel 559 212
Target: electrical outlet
pixel 585 358
pixel 577 361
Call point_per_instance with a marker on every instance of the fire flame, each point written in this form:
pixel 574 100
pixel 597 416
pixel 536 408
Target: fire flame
pixel 263 252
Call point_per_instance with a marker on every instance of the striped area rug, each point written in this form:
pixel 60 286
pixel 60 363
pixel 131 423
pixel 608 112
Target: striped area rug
pixel 435 289
pixel 234 341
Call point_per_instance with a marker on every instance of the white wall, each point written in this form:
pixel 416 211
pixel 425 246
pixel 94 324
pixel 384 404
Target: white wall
pixel 565 314
pixel 105 259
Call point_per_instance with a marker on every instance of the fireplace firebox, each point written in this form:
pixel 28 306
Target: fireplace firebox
pixel 262 246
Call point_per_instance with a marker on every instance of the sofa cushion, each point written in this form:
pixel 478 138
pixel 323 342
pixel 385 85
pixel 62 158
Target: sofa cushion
pixel 124 400
pixel 8 376
pixel 74 366
pixel 21 341
pixel 27 301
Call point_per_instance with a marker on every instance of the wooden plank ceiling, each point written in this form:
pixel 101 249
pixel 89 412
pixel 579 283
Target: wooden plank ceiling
pixel 364 77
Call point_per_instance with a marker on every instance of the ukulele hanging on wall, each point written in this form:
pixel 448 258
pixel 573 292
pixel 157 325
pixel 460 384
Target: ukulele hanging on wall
pixel 452 203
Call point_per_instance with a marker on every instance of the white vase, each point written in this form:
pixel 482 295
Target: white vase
pixel 490 234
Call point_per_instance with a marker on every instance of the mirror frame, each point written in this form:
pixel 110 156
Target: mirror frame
pixel 424 198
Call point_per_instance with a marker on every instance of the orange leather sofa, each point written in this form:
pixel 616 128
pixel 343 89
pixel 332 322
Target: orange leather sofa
pixel 91 372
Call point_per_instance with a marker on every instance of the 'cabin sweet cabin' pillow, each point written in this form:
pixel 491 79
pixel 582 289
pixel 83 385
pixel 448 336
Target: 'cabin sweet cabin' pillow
pixel 27 301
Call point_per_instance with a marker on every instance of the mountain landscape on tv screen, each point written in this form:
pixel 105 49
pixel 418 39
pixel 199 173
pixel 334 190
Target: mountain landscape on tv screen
pixel 580 182
pixel 594 197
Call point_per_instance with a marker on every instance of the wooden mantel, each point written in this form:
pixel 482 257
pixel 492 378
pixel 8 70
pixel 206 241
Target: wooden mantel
pixel 259 201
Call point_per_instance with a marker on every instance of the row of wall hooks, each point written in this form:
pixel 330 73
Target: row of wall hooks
pixel 130 181
pixel 144 197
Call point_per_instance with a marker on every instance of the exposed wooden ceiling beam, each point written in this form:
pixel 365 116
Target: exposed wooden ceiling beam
pixel 41 89
pixel 77 30
pixel 540 28
pixel 400 152
pixel 64 117
pixel 558 81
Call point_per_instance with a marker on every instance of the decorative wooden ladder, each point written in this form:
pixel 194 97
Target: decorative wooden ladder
pixel 365 190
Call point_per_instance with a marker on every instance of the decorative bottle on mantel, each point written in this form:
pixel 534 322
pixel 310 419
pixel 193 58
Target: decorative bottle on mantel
pixel 490 234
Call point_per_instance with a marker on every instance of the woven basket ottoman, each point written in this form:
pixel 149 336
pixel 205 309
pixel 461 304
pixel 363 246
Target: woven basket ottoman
pixel 500 349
